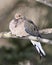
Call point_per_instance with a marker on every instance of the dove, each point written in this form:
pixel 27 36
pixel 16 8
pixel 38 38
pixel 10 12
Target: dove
pixel 21 26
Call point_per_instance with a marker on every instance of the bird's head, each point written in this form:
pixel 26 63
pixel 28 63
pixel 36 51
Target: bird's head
pixel 18 16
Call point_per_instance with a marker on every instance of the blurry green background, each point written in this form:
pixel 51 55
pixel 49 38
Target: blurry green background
pixel 22 52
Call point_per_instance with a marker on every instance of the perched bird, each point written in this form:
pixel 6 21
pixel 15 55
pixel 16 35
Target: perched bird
pixel 21 26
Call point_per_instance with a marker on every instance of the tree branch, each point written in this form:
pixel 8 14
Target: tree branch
pixel 46 31
pixel 45 2
pixel 9 35
pixel 43 40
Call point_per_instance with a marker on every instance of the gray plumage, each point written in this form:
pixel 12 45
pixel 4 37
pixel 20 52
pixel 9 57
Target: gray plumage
pixel 21 26
pixel 31 28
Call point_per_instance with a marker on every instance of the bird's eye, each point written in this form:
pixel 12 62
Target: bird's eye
pixel 19 15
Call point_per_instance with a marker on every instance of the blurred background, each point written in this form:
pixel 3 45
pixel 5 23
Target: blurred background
pixel 22 52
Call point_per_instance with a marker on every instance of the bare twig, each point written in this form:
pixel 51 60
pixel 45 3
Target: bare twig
pixel 46 31
pixel 9 35
pixel 43 40
pixel 45 2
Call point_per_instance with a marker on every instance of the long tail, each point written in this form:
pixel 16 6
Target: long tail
pixel 38 48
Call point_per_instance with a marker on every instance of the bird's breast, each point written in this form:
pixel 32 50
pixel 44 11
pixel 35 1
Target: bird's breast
pixel 20 30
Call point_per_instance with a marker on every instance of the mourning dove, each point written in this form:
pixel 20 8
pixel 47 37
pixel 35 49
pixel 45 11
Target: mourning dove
pixel 21 26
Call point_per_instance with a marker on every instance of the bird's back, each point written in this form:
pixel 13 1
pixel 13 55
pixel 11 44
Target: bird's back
pixel 31 28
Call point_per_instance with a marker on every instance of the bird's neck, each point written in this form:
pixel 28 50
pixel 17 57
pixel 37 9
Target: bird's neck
pixel 15 19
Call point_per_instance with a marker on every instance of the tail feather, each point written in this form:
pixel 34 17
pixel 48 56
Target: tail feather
pixel 38 48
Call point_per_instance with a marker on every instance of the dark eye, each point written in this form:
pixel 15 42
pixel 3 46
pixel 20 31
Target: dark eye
pixel 19 15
